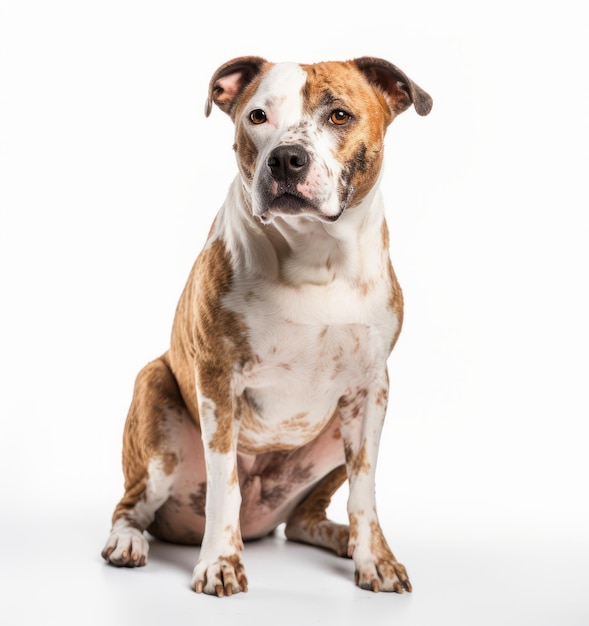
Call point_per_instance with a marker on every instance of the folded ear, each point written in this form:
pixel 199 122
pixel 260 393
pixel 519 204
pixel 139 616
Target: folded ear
pixel 229 81
pixel 399 90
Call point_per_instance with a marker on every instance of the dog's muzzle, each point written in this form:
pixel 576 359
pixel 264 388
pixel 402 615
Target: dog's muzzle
pixel 289 167
pixel 284 187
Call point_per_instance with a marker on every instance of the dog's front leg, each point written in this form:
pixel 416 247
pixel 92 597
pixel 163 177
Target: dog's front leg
pixel 219 570
pixel 362 413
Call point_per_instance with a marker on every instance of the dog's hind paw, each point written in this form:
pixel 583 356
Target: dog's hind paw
pixel 222 577
pixel 126 546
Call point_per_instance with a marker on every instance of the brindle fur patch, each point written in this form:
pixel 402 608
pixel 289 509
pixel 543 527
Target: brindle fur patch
pixel 209 338
pixel 338 85
pixel 309 524
pixel 156 399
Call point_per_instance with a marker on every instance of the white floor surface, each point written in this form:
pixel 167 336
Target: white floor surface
pixel 52 573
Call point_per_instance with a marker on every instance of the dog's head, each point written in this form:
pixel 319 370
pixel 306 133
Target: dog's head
pixel 309 138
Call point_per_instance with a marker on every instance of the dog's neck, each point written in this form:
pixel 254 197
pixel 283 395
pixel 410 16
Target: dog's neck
pixel 304 250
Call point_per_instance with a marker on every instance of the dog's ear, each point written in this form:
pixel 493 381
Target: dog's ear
pixel 229 81
pixel 400 91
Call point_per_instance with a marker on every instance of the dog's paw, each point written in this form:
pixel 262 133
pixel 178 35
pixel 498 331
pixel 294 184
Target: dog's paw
pixel 382 575
pixel 221 577
pixel 126 547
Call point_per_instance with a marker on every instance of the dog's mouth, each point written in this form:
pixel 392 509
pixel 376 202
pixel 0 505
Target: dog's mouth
pixel 294 204
pixel 287 203
pixel 291 203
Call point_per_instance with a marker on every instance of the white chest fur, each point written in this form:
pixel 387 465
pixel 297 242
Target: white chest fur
pixel 311 345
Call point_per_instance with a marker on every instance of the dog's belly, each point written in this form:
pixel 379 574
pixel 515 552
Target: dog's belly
pixel 271 484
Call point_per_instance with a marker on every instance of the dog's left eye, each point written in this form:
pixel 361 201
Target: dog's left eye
pixel 339 117
pixel 258 116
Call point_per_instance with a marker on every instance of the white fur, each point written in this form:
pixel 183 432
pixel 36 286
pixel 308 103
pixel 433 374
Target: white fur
pixel 125 542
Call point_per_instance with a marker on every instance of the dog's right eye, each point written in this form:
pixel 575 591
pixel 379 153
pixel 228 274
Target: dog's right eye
pixel 258 116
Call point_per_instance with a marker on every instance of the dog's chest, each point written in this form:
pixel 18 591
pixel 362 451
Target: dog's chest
pixel 310 347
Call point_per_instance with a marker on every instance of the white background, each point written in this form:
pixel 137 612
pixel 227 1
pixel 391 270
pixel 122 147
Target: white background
pixel 110 176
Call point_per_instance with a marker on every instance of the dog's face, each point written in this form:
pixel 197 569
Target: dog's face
pixel 309 138
pixel 309 146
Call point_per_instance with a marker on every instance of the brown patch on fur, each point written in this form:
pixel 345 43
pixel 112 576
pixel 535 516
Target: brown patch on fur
pixel 247 153
pixel 169 462
pixel 250 446
pixel 235 537
pixel 209 338
pixel 354 524
pixel 365 287
pixel 235 562
pixel 356 461
pixel 156 399
pixel 296 422
pixel 348 452
pixel 309 524
pixel 395 302
pixel 385 236
pixel 382 397
pixel 244 408
pixel 359 462
pixel 352 407
pixel 334 85
pixel 378 544
pixel 251 423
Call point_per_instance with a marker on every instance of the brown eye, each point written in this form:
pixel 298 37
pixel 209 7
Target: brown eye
pixel 258 116
pixel 339 117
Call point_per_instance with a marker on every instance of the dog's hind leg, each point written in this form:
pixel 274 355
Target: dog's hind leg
pixel 150 456
pixel 309 524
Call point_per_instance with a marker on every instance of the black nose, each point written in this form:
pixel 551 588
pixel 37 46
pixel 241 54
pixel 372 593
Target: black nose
pixel 288 163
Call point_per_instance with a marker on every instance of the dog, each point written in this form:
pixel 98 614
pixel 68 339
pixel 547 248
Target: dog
pixel 274 389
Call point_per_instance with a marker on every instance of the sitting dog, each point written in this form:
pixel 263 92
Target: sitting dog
pixel 274 389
